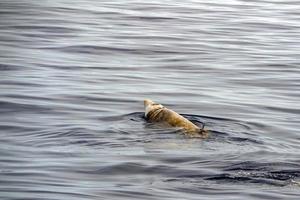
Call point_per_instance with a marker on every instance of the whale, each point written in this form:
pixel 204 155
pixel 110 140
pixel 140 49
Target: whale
pixel 157 113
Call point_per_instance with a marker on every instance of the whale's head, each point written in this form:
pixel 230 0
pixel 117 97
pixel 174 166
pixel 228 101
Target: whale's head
pixel 148 102
pixel 151 105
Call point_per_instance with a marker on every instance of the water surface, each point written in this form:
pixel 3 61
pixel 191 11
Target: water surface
pixel 73 76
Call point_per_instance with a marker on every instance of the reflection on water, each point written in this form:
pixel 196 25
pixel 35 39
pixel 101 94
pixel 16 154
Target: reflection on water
pixel 74 76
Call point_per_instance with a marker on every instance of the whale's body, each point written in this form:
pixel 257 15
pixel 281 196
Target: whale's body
pixel 157 113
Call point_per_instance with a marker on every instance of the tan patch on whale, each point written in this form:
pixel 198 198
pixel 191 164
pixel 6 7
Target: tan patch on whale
pixel 158 113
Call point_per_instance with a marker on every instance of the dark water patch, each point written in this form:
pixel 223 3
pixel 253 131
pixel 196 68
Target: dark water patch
pixel 91 98
pixel 250 165
pixel 77 132
pixel 235 140
pixel 46 29
pixel 133 168
pixel 247 140
pixel 229 178
pixel 281 178
pixel 10 67
pixel 217 128
pixel 6 106
pixel 278 174
pixel 151 18
pixel 254 173
pixel 195 117
pixel 128 194
pixel 103 50
pixel 16 83
pixel 15 128
pixel 84 67
pixel 282 109
pixel 63 137
pixel 29 97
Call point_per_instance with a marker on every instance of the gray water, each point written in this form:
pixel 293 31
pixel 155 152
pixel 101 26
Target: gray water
pixel 73 76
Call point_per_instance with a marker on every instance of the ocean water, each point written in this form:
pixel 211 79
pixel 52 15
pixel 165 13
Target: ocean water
pixel 73 76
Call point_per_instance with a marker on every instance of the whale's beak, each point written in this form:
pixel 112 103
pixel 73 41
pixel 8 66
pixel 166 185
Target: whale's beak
pixel 148 102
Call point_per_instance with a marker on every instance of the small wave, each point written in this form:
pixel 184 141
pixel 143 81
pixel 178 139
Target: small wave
pixel 48 29
pixel 273 173
pixel 250 172
pixel 276 178
pixel 10 67
pixel 133 168
pixel 245 178
pixel 103 50
pixel 6 106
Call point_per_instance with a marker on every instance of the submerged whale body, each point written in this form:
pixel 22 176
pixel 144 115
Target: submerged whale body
pixel 158 113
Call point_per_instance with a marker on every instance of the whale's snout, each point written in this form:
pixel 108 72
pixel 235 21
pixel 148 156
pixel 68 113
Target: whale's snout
pixel 148 102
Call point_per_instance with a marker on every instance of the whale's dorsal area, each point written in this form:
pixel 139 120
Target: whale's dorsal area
pixel 155 112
